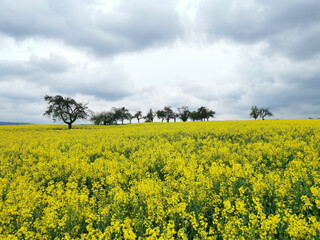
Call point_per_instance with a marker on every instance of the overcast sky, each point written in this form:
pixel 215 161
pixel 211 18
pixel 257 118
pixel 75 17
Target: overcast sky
pixel 226 55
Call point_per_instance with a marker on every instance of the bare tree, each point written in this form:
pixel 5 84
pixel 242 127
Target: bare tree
pixel 138 116
pixel 65 109
pixel 263 112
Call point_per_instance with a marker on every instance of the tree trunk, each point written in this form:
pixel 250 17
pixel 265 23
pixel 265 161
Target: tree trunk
pixel 69 125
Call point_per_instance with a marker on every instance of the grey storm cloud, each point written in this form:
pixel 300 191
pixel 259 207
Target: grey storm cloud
pixel 21 91
pixel 33 78
pixel 133 25
pixel 35 65
pixel 285 92
pixel 112 84
pixel 290 27
pixel 29 80
pixel 305 90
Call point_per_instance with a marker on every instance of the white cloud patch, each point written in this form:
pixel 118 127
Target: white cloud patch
pixel 57 74
pixel 21 90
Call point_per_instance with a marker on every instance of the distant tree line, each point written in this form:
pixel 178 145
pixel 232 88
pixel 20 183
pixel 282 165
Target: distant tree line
pixel 67 110
pixel 167 114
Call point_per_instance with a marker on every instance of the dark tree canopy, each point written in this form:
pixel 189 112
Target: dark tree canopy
pixel 121 114
pixel 205 113
pixel 194 116
pixel 138 115
pixel 130 117
pixel 161 115
pixel 184 113
pixel 210 114
pixel 104 118
pixel 150 116
pixel 175 116
pixel 96 119
pixel 65 109
pixel 255 112
pixel 168 112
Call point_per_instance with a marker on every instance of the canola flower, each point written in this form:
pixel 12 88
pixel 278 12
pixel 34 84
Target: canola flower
pixel 196 180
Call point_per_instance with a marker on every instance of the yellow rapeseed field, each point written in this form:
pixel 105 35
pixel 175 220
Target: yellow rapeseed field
pixel 196 180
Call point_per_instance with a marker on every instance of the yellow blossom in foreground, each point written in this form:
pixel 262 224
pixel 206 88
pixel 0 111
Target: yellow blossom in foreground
pixel 194 180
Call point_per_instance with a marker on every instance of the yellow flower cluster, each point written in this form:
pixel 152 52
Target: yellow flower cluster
pixel 196 180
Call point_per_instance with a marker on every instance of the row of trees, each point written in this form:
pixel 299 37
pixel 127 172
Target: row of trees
pixel 166 114
pixel 67 110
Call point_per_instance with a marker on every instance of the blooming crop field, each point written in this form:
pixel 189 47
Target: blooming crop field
pixel 196 180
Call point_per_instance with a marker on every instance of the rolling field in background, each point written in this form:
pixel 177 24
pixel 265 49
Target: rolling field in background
pixel 195 180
